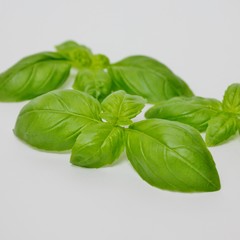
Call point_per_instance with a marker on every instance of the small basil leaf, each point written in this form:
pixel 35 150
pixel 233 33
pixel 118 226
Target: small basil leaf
pixel 148 78
pixel 33 76
pixel 98 146
pixel 70 45
pixel 94 82
pixel 54 120
pixel 79 55
pixel 171 156
pixel 119 107
pixel 220 128
pixel 194 111
pixel 231 99
pixel 100 61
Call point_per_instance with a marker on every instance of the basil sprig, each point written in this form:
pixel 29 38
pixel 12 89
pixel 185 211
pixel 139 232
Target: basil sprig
pixel 166 154
pixel 220 120
pixel 43 72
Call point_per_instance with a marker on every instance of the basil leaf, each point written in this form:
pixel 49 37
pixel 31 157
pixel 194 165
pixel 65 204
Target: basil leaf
pixel 94 82
pixel 70 45
pixel 100 61
pixel 54 120
pixel 194 111
pixel 79 55
pixel 171 156
pixel 98 146
pixel 220 128
pixel 119 107
pixel 82 56
pixel 148 78
pixel 33 76
pixel 231 99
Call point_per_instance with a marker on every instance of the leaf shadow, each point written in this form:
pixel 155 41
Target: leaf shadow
pixel 120 160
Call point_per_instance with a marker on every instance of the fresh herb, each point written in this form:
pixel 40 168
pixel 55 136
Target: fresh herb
pixel 53 121
pixel 220 120
pixel 148 78
pixel 33 76
pixel 96 123
pixel 46 71
pixel 97 83
pixel 166 154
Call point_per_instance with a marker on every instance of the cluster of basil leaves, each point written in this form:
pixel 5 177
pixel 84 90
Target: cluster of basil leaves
pixel 46 71
pixel 220 120
pixel 94 119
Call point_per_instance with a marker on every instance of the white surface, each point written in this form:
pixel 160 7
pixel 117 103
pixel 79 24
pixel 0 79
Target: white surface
pixel 42 196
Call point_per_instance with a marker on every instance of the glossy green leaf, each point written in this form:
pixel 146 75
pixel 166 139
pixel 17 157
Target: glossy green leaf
pixel 172 156
pixel 146 77
pixel 119 107
pixel 54 120
pixel 194 111
pixel 94 82
pixel 220 128
pixel 33 76
pixel 98 146
pixel 79 55
pixel 231 100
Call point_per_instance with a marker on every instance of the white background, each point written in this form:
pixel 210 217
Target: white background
pixel 42 196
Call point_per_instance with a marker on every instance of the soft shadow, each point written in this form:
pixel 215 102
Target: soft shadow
pixel 120 160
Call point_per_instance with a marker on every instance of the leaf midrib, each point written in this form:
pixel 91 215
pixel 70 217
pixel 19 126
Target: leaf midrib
pixel 14 70
pixel 60 112
pixel 154 71
pixel 101 145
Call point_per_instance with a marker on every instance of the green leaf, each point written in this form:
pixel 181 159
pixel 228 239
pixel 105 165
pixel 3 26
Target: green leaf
pixel 100 61
pixel 33 76
pixel 172 156
pixel 82 56
pixel 231 99
pixel 119 107
pixel 220 128
pixel 94 82
pixel 98 146
pixel 79 55
pixel 70 45
pixel 146 77
pixel 54 120
pixel 194 111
